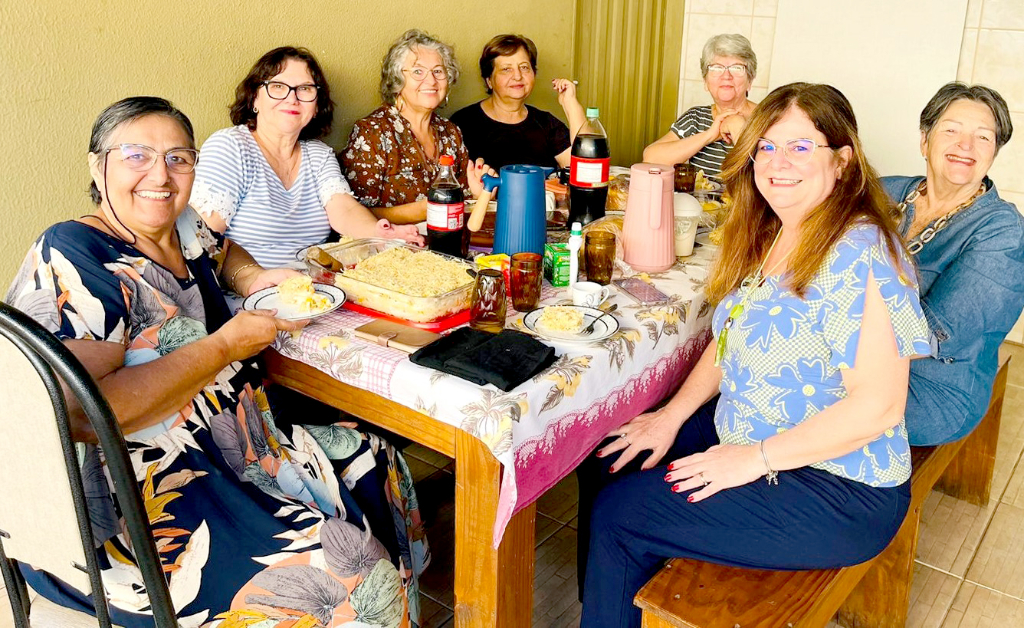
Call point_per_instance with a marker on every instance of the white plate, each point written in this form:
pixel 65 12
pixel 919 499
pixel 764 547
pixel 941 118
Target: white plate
pixel 602 329
pixel 268 299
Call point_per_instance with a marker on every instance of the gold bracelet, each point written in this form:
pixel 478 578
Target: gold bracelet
pixel 772 477
pixel 231 280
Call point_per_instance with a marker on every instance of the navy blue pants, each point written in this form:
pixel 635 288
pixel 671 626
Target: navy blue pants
pixel 630 522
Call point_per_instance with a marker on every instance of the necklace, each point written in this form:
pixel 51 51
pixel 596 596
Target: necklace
pixel 915 244
pixel 754 281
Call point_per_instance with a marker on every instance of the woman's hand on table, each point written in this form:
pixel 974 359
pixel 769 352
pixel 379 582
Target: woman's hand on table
pixel 270 277
pixel 409 233
pixel 654 431
pixel 474 171
pixel 252 331
pixel 718 468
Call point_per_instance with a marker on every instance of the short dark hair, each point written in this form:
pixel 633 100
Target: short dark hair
pixel 954 91
pixel 505 46
pixel 267 67
pixel 129 110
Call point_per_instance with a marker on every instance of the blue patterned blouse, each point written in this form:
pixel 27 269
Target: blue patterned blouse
pixel 784 356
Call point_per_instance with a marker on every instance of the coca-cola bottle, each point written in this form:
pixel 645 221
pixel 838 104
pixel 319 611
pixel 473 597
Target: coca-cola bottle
pixel 446 212
pixel 588 171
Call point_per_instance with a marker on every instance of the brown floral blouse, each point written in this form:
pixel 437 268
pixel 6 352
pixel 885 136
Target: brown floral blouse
pixel 385 164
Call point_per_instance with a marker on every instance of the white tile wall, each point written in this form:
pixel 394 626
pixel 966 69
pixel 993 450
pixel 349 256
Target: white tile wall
pixel 991 53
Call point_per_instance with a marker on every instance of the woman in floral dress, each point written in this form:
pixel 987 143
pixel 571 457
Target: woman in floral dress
pixel 255 525
pixel 392 154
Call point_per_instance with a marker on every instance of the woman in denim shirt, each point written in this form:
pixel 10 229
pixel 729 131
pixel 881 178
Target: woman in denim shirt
pixel 968 245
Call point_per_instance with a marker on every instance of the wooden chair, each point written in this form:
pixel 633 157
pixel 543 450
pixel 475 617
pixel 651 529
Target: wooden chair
pixel 44 521
pixel 873 594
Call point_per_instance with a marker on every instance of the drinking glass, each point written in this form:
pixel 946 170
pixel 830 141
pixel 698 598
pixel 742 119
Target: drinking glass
pixel 488 310
pixel 685 177
pixel 599 256
pixel 525 277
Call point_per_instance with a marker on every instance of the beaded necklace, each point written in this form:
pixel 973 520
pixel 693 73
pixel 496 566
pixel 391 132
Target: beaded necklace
pixel 754 281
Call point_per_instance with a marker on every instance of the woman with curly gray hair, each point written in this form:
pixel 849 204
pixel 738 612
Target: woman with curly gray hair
pixel 704 135
pixel 392 154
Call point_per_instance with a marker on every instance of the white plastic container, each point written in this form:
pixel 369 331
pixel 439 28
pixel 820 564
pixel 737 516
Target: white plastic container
pixel 686 213
pixel 575 242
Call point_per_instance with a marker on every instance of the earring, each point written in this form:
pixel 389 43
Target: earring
pixel 254 109
pixel 399 103
pixel 445 103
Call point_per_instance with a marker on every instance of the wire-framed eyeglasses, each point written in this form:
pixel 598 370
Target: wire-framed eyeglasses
pixel 141 158
pixel 736 69
pixel 279 91
pixel 418 74
pixel 798 151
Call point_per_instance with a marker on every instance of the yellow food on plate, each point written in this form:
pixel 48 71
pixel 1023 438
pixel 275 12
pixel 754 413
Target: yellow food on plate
pixel 560 318
pixel 716 235
pixel 298 291
pixel 415 273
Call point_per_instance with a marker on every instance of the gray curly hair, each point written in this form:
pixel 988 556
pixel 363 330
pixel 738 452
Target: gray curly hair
pixel 392 79
pixel 729 45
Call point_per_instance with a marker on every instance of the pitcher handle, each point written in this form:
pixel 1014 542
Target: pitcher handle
pixel 655 208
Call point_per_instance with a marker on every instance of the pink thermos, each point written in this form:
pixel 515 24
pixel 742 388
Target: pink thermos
pixel 647 231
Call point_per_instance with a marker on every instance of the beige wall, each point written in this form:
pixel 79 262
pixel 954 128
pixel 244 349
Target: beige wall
pixel 63 61
pixel 990 53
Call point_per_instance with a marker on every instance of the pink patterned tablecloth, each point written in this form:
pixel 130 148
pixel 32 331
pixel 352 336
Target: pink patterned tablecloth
pixel 543 428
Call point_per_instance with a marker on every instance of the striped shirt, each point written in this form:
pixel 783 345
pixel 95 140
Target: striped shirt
pixel 234 181
pixel 710 158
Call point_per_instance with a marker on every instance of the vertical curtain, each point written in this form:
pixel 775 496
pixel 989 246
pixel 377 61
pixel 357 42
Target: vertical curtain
pixel 626 57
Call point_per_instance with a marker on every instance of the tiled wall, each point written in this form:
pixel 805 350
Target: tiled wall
pixel 992 53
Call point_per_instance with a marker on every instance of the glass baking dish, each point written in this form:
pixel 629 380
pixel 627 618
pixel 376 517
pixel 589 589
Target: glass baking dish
pixel 412 308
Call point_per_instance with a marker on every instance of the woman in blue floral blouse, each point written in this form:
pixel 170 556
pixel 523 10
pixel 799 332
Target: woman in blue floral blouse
pixel 804 386
pixel 255 525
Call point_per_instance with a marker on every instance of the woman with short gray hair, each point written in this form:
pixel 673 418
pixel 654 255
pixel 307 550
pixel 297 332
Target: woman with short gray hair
pixel 968 244
pixel 704 135
pixel 392 154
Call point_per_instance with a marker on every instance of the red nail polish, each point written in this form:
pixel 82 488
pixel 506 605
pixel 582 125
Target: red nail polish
pixel 600 452
pixel 668 477
pixel 689 498
pixel 672 467
pixel 611 469
pixel 675 488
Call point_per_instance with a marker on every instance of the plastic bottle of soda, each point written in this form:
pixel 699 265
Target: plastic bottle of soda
pixel 446 212
pixel 588 171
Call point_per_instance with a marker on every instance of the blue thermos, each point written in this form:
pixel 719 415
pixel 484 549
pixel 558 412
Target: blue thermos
pixel 521 223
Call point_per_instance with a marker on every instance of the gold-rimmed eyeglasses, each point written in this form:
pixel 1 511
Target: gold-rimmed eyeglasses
pixel 141 158
pixel 736 69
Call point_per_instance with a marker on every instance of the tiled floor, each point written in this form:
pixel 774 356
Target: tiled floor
pixel 970 562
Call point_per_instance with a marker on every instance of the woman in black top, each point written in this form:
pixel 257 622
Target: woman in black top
pixel 502 128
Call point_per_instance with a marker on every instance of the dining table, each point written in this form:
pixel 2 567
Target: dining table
pixel 508 447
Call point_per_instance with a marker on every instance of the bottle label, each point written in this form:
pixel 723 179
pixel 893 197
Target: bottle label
pixel 588 173
pixel 445 217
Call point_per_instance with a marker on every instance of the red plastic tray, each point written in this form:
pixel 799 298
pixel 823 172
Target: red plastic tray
pixel 459 318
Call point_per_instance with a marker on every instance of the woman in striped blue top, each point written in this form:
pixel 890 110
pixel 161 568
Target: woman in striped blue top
pixel 269 183
pixel 704 135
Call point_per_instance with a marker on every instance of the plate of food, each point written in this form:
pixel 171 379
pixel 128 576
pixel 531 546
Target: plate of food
pixel 296 298
pixel 567 323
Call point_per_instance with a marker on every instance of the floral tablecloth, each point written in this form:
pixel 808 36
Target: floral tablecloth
pixel 543 428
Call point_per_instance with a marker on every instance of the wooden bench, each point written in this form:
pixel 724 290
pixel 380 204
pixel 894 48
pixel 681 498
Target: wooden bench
pixel 875 593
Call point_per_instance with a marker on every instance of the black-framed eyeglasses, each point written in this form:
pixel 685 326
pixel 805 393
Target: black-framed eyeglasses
pixel 141 158
pixel 279 91
pixel 798 151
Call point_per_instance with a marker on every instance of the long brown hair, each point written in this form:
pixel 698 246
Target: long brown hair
pixel 752 225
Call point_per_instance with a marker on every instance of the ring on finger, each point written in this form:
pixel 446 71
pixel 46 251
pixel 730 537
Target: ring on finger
pixel 702 479
pixel 623 437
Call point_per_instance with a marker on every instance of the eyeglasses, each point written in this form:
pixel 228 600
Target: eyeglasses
pixel 509 70
pixel 419 74
pixel 279 91
pixel 141 158
pixel 736 69
pixel 798 152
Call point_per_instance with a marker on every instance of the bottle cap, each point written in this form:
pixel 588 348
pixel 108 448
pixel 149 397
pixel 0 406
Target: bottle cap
pixel 577 229
pixel 446 160
pixel 592 112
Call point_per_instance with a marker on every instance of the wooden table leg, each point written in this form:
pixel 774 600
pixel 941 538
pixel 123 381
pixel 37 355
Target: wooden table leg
pixel 493 588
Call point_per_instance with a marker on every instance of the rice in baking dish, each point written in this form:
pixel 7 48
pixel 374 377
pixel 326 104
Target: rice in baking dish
pixel 415 273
